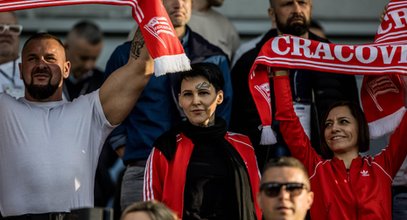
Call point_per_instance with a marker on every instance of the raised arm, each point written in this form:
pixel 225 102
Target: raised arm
pixel 123 87
pixel 392 157
pixel 290 126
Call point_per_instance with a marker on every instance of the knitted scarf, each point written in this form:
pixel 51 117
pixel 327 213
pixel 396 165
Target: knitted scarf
pixel 381 62
pixel 156 27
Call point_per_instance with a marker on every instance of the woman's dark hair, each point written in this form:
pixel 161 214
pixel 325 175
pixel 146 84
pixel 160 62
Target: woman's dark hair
pixel 285 161
pixel 209 71
pixel 363 128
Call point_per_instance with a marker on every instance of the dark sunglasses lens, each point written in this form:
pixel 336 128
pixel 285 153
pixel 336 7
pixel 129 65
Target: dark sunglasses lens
pixel 272 190
pixel 2 28
pixel 294 188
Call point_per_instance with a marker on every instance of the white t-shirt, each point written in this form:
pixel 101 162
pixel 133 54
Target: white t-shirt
pixel 10 81
pixel 49 153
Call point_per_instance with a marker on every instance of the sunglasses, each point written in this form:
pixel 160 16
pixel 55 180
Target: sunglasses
pixel 273 189
pixel 13 29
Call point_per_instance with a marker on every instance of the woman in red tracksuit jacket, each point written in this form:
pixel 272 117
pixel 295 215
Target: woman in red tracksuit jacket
pixel 346 185
pixel 198 169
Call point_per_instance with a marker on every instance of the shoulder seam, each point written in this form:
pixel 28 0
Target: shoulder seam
pixel 316 167
pixel 242 142
pixel 384 171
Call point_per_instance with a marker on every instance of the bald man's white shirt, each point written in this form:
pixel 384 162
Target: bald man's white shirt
pixel 49 153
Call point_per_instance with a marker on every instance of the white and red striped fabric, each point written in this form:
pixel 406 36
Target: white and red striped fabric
pixel 382 95
pixel 156 27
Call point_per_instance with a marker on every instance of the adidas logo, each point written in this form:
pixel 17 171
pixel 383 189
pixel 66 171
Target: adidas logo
pixel 364 173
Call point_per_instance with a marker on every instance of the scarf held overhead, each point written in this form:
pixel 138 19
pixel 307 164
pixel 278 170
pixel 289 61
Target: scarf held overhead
pixel 382 92
pixel 151 16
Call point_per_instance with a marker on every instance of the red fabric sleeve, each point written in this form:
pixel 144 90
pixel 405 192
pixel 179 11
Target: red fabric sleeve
pixel 290 126
pixel 392 157
pixel 156 169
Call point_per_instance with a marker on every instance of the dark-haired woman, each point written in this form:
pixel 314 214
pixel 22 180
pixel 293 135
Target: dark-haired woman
pixel 346 184
pixel 198 169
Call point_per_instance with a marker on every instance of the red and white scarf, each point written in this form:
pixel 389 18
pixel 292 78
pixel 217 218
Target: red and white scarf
pixel 382 95
pixel 156 27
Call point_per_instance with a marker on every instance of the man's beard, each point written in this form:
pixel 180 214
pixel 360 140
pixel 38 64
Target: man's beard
pixel 296 29
pixel 41 92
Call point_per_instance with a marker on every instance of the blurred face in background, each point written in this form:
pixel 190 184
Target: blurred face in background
pixel 9 36
pixel 82 55
pixel 291 16
pixel 179 11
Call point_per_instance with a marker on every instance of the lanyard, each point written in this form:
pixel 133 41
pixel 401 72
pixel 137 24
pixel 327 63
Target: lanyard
pixel 11 79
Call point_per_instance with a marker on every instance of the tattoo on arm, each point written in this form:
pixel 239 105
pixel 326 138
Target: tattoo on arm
pixel 136 45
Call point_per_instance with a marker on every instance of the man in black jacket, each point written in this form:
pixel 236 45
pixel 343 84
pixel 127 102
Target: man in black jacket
pixel 313 92
pixel 83 45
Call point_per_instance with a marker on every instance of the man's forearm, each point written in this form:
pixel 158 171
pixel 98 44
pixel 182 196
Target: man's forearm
pixel 121 90
pixel 136 45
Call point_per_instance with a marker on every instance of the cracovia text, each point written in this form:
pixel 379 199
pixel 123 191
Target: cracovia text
pixel 364 54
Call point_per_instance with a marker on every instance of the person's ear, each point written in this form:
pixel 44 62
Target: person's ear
pixel 310 199
pixel 219 98
pixel 67 69
pixel 272 16
pixel 258 198
pixel 20 67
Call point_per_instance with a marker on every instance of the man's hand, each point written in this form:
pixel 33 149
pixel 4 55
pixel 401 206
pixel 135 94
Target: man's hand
pixel 120 151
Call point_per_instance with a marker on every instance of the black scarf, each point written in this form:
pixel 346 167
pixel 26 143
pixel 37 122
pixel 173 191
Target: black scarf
pixel 214 135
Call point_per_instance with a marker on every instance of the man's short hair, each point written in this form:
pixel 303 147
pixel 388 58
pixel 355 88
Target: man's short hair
pixel 41 36
pixel 13 13
pixel 89 31
pixel 286 162
pixel 272 3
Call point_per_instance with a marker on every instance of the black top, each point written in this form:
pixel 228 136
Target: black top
pixel 217 184
pixel 210 191
pixel 84 86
